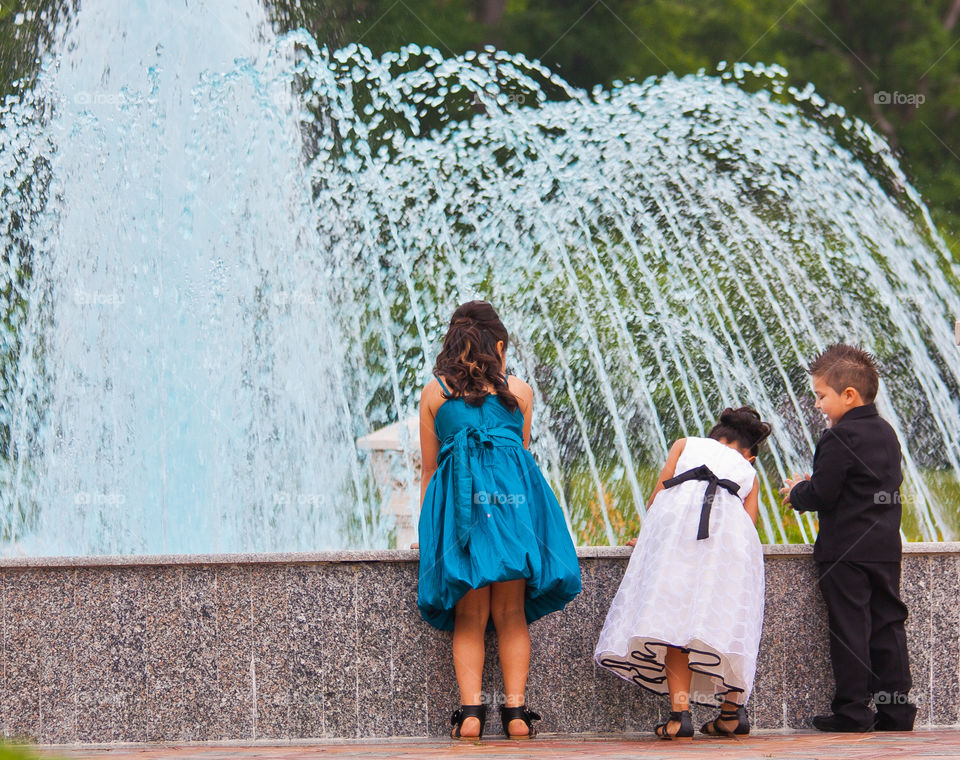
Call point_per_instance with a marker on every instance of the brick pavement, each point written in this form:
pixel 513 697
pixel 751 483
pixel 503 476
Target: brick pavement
pixel 798 745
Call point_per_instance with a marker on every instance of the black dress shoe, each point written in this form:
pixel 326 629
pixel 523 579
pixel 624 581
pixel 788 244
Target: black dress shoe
pixel 886 723
pixel 839 724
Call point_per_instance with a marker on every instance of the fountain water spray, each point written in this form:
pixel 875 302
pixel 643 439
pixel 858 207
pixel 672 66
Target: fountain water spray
pixel 226 260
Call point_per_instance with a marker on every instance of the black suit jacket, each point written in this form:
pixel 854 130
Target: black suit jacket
pixel 855 488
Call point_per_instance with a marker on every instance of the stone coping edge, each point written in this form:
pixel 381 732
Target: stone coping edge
pixel 375 555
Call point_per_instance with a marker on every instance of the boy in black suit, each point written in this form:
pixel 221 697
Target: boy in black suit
pixel 855 488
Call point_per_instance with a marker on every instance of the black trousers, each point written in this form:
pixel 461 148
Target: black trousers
pixel 868 641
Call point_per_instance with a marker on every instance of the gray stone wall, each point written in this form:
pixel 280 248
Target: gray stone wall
pixel 287 646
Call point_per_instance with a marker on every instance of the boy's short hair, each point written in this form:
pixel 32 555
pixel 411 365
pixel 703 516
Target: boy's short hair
pixel 841 366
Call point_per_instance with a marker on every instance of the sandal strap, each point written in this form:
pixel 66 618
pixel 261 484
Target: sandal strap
pixel 519 713
pixel 685 729
pixel 468 711
pixel 523 713
pixel 713 727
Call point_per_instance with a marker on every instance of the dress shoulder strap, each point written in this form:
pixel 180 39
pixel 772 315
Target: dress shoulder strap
pixel 446 390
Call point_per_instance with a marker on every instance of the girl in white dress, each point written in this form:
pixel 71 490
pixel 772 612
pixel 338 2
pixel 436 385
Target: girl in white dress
pixel 686 619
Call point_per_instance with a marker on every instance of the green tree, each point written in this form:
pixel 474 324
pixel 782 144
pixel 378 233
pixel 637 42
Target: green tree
pixel 896 65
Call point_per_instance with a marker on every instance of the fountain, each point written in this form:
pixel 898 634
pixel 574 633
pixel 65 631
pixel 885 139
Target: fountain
pixel 227 261
pixel 174 389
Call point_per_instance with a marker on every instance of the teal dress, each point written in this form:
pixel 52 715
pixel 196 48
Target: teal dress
pixel 489 515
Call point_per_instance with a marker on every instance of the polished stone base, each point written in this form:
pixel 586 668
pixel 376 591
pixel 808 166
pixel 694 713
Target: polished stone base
pixel 285 646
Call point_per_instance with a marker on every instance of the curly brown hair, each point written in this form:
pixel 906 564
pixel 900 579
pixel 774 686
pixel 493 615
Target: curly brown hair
pixel 743 427
pixel 469 360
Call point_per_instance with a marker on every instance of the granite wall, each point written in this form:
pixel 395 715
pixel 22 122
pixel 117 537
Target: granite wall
pixel 284 646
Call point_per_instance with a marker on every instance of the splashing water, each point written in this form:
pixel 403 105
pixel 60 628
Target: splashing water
pixel 175 386
pixel 229 259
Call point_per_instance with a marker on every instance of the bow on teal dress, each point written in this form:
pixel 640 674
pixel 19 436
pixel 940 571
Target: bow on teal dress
pixel 489 515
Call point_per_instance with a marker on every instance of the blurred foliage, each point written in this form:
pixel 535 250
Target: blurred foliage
pixel 10 750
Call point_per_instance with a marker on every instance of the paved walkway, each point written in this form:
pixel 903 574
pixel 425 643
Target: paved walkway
pixel 799 745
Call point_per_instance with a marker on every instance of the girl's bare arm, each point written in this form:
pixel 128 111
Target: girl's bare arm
pixel 524 395
pixel 752 502
pixel 668 471
pixel 429 445
pixel 669 467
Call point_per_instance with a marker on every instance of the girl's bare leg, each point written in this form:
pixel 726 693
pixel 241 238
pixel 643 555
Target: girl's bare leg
pixel 730 704
pixel 513 640
pixel 678 681
pixel 470 621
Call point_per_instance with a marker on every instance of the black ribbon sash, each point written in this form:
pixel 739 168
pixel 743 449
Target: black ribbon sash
pixel 704 473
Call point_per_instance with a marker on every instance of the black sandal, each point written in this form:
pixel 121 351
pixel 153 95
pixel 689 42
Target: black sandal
pixel 685 731
pixel 712 727
pixel 518 713
pixel 461 714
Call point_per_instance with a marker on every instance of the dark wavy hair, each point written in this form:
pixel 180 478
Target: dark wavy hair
pixel 469 361
pixel 743 427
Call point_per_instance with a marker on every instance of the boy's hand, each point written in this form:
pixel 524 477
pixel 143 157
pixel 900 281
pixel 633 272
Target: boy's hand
pixel 789 483
pixel 632 542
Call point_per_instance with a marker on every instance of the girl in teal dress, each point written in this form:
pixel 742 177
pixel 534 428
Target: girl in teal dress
pixel 493 541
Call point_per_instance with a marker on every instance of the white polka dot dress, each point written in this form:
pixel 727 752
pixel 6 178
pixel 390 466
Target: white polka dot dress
pixel 703 595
